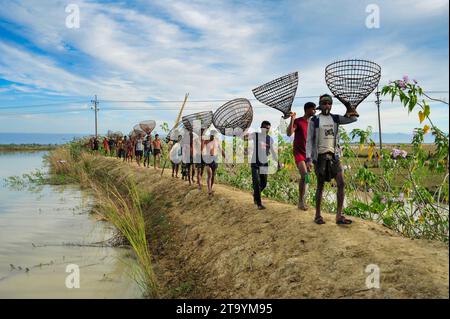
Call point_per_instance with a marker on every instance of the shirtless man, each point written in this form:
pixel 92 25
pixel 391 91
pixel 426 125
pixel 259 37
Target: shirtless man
pixel 106 146
pixel 157 149
pixel 128 149
pixel 209 157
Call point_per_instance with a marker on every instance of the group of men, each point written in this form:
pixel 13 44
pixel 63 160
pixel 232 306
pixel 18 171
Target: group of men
pixel 315 143
pixel 139 147
pixel 195 154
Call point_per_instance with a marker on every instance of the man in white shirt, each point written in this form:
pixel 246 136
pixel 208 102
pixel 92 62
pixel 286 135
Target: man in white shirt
pixel 139 149
pixel 321 149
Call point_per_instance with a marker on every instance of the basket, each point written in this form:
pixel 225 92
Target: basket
pixel 147 126
pixel 278 93
pixel 235 114
pixel 205 119
pixel 352 80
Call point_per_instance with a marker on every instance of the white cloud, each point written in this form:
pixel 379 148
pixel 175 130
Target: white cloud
pixel 167 48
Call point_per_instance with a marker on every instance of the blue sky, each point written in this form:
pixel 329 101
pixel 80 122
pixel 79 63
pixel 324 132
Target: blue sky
pixel 215 50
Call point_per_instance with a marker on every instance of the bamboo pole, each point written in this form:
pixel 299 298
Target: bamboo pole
pixel 177 121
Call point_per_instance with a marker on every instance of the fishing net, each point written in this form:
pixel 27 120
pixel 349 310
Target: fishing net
pixel 352 80
pixel 235 114
pixel 205 119
pixel 147 126
pixel 138 131
pixel 278 93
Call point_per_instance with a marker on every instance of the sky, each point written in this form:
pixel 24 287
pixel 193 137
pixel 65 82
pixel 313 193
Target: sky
pixel 141 57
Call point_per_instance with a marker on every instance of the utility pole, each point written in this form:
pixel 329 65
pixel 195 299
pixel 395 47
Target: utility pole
pixel 95 108
pixel 378 102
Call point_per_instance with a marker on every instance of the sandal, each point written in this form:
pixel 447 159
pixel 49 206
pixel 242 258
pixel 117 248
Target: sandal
pixel 343 221
pixel 319 220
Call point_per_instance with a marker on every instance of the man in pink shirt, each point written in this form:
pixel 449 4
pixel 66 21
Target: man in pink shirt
pixel 299 127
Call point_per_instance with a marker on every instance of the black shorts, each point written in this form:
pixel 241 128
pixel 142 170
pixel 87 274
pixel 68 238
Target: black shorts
pixel 156 151
pixel 213 165
pixel 200 165
pixel 327 167
pixel 138 153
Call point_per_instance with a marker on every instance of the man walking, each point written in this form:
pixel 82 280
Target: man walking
pixel 139 149
pixel 210 155
pixel 147 150
pixel 299 127
pixel 321 149
pixel 263 147
pixel 157 149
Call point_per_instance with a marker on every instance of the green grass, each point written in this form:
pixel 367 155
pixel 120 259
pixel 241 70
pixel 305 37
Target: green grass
pixel 26 147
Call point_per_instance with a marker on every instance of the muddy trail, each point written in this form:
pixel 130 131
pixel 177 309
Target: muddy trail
pixel 225 248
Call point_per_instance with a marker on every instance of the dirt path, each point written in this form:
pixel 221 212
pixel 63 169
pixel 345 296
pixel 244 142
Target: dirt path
pixel 225 247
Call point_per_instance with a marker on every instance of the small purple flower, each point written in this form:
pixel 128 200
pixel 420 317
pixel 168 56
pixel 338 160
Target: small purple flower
pixel 384 200
pixel 405 78
pixel 395 152
pixel 415 81
pixel 402 85
pixel 399 199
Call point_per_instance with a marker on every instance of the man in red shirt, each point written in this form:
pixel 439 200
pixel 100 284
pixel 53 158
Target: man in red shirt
pixel 299 127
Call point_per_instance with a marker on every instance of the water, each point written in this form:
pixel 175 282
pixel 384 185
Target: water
pixel 35 228
pixel 37 138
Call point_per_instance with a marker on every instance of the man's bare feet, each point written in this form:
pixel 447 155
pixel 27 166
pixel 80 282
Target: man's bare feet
pixel 302 206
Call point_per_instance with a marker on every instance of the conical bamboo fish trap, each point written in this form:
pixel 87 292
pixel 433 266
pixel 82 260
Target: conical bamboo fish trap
pixel 352 80
pixel 205 119
pixel 278 93
pixel 147 126
pixel 235 114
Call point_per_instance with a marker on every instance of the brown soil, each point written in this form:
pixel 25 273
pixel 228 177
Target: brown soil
pixel 225 248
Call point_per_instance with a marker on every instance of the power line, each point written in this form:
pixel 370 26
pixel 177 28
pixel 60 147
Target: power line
pixel 40 105
pixel 45 112
pixel 173 101
pixel 226 100
pixel 149 109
